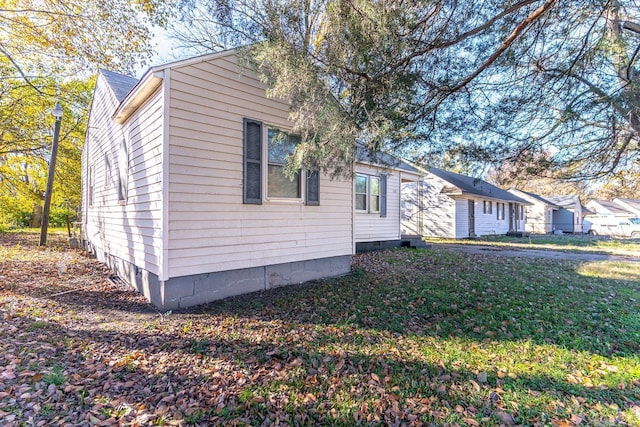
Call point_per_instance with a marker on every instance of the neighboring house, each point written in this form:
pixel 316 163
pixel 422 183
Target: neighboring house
pixel 568 218
pixel 609 208
pixel 378 187
pixel 632 205
pixel 539 213
pixel 608 218
pixel 184 195
pixel 447 204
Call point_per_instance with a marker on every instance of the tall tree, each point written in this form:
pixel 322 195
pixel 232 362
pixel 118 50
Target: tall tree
pixel 480 82
pixel 570 85
pixel 379 71
pixel 40 37
pixel 48 51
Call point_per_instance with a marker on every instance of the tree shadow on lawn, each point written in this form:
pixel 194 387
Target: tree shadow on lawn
pixel 215 379
pixel 477 297
pixel 426 293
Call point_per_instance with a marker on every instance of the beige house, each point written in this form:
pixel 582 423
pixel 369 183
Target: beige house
pixel 184 195
pixel 539 212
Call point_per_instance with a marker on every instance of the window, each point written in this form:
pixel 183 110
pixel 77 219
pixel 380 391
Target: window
pixel 279 146
pixel 123 171
pixel 107 171
pixel 374 194
pixel 278 185
pixel 361 192
pixel 487 206
pixel 91 186
pixel 371 194
pixel 499 210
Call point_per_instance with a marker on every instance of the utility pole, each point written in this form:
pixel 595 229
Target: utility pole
pixel 57 113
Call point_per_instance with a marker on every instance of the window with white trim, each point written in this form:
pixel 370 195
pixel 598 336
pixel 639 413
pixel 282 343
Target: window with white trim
pixel 107 171
pixel 487 207
pixel 499 210
pixel 371 194
pixel 90 187
pixel 123 171
pixel 374 194
pixel 361 192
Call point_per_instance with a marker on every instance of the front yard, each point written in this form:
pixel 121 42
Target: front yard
pixel 410 337
pixel 567 242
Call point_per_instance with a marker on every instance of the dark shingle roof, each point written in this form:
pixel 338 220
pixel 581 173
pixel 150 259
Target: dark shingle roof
pixel 476 186
pixel 382 159
pixel 539 198
pixel 120 84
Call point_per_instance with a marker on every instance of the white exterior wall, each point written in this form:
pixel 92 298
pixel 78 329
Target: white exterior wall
pixel 210 229
pixel 462 218
pixel 131 230
pixel 371 227
pixel 438 210
pixel 539 218
pixel 488 224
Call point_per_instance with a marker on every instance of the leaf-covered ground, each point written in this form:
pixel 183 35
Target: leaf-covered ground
pixel 411 337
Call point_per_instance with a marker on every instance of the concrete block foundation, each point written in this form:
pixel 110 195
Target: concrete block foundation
pixel 188 291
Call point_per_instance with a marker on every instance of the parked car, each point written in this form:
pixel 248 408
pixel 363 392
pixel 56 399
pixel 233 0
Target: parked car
pixel 599 226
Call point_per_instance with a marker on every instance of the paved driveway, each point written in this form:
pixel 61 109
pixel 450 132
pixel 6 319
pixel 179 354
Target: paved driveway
pixel 535 253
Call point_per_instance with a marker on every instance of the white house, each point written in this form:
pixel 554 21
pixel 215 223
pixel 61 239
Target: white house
pixel 184 195
pixel 447 204
pixel 378 188
pixel 539 213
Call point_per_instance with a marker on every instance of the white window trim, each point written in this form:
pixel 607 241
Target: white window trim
pixel 370 194
pixel 368 209
pixel 265 172
pixel 366 193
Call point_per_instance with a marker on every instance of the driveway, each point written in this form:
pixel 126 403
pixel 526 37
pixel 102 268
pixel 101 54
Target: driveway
pixel 535 253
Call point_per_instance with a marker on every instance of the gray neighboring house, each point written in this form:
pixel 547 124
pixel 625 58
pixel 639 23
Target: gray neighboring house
pixel 447 204
pixel 539 213
pixel 569 215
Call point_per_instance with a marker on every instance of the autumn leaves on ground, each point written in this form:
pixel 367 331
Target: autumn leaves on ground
pixel 411 337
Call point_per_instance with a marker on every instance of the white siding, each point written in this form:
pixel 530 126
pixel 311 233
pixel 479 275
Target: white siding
pixel 371 227
pixel 539 218
pixel 210 229
pixel 462 218
pixel 131 230
pixel 438 210
pixel 488 223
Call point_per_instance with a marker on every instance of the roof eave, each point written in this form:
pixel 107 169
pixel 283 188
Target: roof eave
pixel 148 84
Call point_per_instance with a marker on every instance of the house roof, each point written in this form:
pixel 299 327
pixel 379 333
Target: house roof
pixel 476 186
pixel 120 84
pixel 536 197
pixel 568 201
pixel 363 155
pixel 632 203
pixel 612 207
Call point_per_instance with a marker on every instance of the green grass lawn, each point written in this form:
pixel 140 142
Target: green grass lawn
pixel 571 243
pixel 411 336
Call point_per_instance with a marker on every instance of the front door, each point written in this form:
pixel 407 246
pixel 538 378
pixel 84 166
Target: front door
pixel 512 217
pixel 472 218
